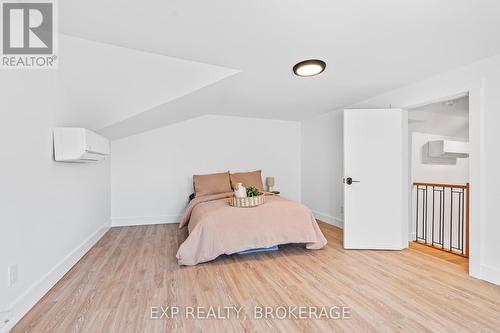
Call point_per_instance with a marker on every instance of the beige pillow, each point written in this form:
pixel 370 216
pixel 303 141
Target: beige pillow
pixel 253 178
pixel 211 184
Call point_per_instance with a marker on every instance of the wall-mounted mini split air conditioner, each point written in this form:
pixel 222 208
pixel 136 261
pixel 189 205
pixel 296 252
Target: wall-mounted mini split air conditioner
pixel 79 145
pixel 449 148
pixel 445 151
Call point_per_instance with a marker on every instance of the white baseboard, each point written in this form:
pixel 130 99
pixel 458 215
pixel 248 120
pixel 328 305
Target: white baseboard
pixel 29 298
pixel 338 222
pixel 490 274
pixel 144 220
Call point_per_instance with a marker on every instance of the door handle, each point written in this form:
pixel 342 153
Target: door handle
pixel 349 181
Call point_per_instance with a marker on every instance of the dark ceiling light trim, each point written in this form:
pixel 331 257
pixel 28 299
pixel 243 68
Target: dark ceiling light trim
pixel 310 67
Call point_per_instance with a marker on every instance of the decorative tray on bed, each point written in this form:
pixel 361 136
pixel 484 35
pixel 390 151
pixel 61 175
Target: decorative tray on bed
pixel 247 202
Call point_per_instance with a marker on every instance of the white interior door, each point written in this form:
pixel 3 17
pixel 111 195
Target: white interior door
pixel 375 159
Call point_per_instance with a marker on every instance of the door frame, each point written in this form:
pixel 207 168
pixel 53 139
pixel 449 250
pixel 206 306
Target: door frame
pixel 476 159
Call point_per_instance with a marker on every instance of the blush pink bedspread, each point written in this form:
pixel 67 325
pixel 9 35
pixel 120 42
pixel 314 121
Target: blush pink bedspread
pixel 216 228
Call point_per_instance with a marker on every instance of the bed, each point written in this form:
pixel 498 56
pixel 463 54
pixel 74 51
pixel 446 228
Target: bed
pixel 216 228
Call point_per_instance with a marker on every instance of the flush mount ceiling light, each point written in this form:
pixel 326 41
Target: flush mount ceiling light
pixel 309 67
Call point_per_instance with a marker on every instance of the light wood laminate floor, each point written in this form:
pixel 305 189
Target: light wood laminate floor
pixel 131 269
pixel 444 255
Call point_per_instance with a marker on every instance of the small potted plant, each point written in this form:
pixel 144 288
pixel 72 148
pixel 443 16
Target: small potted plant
pixel 252 192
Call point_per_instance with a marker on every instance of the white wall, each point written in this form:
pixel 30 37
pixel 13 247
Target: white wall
pixel 482 80
pixel 441 124
pixel 322 166
pixel 48 209
pixel 151 173
pixel 436 173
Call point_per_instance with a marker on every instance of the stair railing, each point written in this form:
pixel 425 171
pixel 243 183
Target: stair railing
pixel 442 216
